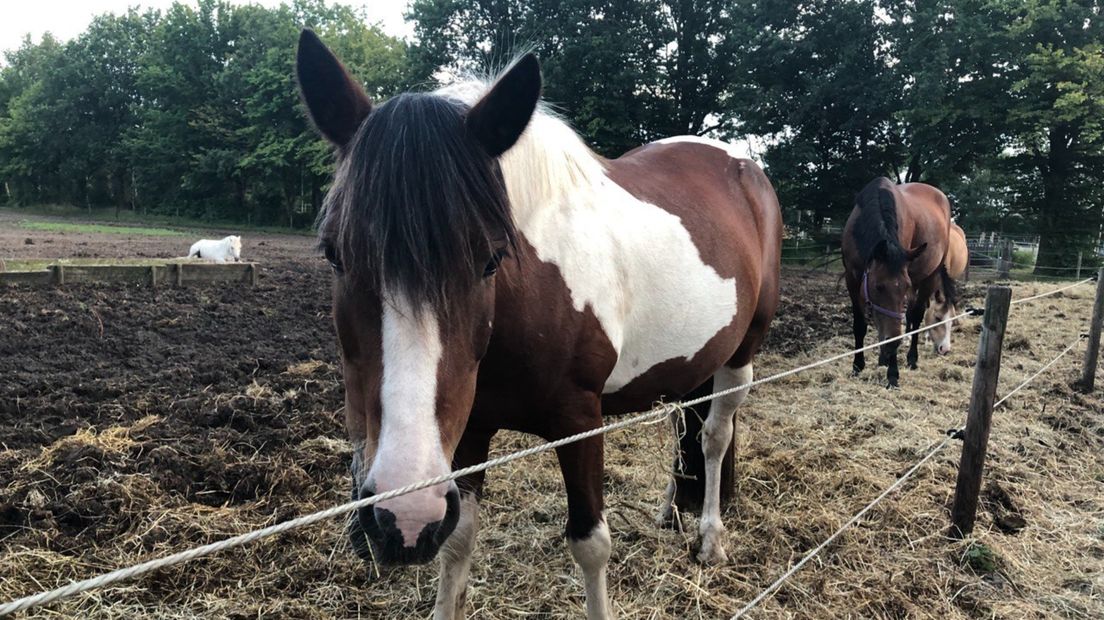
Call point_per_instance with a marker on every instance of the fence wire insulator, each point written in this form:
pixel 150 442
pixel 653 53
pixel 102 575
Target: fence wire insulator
pixel 956 433
pixel 975 311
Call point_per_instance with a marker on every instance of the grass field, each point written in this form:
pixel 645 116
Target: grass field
pixel 131 218
pixel 111 229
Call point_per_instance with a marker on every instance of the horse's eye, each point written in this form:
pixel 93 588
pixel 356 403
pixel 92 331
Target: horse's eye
pixel 881 288
pixel 492 265
pixel 331 256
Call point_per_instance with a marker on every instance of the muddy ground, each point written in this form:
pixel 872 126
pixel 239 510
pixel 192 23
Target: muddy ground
pixel 135 423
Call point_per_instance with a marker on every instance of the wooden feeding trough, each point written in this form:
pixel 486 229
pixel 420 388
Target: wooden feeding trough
pixel 167 274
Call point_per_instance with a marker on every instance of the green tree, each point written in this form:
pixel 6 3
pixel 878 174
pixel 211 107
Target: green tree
pixel 815 83
pixel 191 111
pixel 623 73
pixel 1055 120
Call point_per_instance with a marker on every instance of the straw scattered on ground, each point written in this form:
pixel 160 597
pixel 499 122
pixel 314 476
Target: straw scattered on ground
pixel 159 465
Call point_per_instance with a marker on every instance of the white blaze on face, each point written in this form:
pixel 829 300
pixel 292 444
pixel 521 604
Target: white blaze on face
pixel 940 335
pixel 409 444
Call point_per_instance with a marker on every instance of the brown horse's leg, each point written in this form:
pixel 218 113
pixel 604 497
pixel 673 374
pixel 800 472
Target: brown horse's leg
pixel 887 356
pixel 858 324
pixel 716 441
pixel 916 317
pixel 686 489
pixel 581 464
pixel 456 552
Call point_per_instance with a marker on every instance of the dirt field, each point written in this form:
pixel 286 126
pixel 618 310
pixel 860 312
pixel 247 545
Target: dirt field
pixel 136 423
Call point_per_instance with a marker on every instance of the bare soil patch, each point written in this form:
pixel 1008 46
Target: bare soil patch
pixel 135 423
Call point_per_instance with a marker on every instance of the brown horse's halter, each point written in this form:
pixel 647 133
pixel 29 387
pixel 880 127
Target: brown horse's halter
pixel 900 316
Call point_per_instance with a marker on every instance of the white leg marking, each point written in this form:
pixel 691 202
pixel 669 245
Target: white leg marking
pixel 409 447
pixel 456 559
pixel 592 554
pixel 716 437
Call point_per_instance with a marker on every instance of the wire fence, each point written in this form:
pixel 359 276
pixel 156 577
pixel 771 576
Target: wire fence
pixel 657 413
pixel 936 449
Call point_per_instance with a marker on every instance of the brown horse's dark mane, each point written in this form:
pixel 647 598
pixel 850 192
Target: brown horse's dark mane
pixel 875 230
pixel 417 205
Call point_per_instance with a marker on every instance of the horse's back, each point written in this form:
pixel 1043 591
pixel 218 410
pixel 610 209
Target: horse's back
pixel 710 187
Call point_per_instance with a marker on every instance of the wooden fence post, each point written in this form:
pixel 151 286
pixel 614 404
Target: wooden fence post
pixel 976 437
pixel 1092 350
pixel 59 274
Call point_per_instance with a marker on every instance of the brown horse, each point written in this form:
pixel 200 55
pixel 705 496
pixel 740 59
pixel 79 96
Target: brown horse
pixel 894 243
pixel 492 272
pixel 944 299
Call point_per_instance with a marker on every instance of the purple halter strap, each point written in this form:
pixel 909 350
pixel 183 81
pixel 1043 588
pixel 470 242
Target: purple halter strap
pixel 900 316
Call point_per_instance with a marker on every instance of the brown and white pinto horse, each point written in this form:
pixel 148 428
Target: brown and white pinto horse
pixel 944 299
pixel 882 275
pixel 491 272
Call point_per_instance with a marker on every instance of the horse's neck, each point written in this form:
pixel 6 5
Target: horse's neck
pixel 550 173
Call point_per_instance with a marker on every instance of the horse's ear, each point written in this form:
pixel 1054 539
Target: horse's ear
pixel 916 251
pixel 336 102
pixel 499 118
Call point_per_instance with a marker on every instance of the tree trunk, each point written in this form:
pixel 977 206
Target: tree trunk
pixel 1061 234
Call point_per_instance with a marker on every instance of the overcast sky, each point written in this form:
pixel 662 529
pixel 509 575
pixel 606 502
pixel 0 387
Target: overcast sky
pixel 68 18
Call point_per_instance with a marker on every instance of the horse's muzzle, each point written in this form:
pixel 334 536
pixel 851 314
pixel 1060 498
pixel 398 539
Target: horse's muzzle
pixel 376 538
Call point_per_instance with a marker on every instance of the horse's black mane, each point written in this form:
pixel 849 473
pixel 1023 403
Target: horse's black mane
pixel 950 290
pixel 417 204
pixel 877 223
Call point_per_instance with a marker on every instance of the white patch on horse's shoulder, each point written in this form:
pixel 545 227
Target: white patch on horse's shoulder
pixel 632 263
pixel 637 268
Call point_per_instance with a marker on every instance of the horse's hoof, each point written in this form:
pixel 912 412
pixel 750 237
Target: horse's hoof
pixel 912 366
pixel 712 555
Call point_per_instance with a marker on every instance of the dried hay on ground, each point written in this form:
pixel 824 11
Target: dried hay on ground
pixel 169 473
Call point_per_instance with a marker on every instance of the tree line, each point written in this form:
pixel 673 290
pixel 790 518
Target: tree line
pixel 193 110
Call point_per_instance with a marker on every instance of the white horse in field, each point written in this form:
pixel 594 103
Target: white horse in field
pixel 219 251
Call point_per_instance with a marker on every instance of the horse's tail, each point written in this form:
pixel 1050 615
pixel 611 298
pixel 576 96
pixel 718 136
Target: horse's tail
pixel 689 466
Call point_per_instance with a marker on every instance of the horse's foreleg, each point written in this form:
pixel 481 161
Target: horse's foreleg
pixel 456 552
pixel 859 325
pixel 915 318
pixel 716 437
pixel 888 357
pixel 587 534
pixel 456 560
